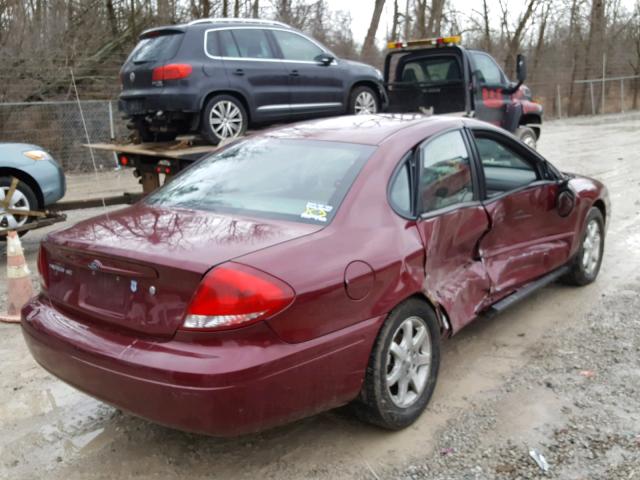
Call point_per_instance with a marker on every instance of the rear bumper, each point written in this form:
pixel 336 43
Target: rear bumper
pixel 151 101
pixel 227 384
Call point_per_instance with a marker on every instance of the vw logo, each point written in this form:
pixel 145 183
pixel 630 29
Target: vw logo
pixel 132 77
pixel 95 265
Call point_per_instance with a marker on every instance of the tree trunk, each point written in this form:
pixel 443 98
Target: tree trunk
pixel 394 24
pixel 370 39
pixel 111 16
pixel 514 41
pixel 421 18
pixel 407 21
pixel 435 19
pixel 205 8
pixel 487 29
pixel 236 9
pixel 595 48
pixel 255 9
pixel 225 8
pixel 164 12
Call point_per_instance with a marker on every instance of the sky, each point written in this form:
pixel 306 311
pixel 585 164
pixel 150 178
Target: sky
pixel 361 11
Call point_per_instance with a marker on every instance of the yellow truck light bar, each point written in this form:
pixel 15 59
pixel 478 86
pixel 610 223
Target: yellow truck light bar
pixel 426 42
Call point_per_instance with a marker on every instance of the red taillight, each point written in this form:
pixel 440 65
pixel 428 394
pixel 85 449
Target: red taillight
pixel 124 161
pixel 43 268
pixel 173 71
pixel 234 295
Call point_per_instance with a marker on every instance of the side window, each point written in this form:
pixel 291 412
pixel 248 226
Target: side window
pixel 226 44
pixel 504 169
pixel 253 43
pixel 400 191
pixel 445 177
pixel 488 71
pixel 295 47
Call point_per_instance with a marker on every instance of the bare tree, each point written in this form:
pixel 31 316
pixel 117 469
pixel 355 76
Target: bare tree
pixel 369 41
pixel 513 38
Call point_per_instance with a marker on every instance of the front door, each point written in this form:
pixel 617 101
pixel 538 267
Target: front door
pixel 491 98
pixel 254 70
pixel 316 88
pixel 528 238
pixel 451 223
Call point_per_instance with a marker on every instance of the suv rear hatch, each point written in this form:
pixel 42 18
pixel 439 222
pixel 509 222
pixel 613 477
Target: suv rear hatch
pixel 138 268
pixel 153 50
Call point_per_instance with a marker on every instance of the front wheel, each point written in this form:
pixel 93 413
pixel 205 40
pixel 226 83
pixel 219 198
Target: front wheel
pixel 363 101
pixel 586 265
pixel 223 118
pixel 22 198
pixel 403 367
pixel 527 136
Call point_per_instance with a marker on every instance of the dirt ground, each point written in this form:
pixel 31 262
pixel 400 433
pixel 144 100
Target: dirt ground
pixel 559 373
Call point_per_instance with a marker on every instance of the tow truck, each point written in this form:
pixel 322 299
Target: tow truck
pixel 439 76
pixel 431 76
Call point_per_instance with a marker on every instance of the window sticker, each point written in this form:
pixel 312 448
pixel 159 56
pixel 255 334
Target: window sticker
pixel 316 211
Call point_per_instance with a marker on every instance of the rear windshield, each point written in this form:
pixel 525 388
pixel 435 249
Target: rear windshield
pixel 299 180
pixel 157 48
pixel 432 70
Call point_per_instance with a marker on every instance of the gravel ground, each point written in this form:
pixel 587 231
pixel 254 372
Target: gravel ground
pixel 558 373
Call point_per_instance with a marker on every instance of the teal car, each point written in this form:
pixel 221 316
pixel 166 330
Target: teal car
pixel 41 182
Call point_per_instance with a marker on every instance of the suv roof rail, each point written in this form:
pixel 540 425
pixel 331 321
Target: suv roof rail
pixel 238 20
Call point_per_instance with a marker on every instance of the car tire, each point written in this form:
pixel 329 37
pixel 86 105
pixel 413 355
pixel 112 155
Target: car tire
pixel 216 111
pixel 586 264
pixel 363 101
pixel 381 400
pixel 24 198
pixel 527 136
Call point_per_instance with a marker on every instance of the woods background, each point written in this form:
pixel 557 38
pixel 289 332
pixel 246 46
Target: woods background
pixel 565 41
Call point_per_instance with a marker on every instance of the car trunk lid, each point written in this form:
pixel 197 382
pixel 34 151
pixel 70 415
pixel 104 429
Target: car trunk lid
pixel 138 268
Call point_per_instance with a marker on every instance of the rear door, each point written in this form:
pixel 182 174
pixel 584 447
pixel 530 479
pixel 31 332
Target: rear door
pixel 315 87
pixel 431 80
pixel 528 238
pixel 451 223
pixel 254 69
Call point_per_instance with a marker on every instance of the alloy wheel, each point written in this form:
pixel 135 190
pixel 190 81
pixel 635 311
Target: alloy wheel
pixel 408 362
pixel 591 247
pixel 226 120
pixel 365 104
pixel 18 202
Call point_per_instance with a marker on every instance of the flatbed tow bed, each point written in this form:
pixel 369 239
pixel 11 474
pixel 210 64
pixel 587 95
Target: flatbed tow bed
pixel 150 160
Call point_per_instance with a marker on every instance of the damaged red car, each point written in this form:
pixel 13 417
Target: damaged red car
pixel 306 268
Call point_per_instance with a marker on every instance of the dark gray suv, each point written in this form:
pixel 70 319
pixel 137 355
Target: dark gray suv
pixel 218 76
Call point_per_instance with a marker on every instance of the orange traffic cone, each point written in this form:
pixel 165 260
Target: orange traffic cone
pixel 19 288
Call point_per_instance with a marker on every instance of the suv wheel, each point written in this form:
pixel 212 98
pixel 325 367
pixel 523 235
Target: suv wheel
pixel 223 118
pixel 403 367
pixel 363 101
pixel 586 265
pixel 527 136
pixel 23 198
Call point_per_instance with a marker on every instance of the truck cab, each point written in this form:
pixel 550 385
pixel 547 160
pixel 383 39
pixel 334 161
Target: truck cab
pixel 439 76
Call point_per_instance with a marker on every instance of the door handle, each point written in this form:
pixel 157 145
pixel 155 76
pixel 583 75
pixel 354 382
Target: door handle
pixel 238 71
pixel 294 73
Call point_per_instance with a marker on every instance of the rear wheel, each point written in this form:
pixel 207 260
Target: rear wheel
pixel 403 367
pixel 527 136
pixel 363 101
pixel 223 118
pixel 23 198
pixel 586 265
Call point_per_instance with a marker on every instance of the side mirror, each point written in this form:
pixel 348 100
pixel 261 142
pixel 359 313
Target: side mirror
pixel 565 201
pixel 324 59
pixel 521 68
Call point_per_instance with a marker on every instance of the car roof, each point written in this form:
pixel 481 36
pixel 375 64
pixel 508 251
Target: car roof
pixel 364 129
pixel 207 23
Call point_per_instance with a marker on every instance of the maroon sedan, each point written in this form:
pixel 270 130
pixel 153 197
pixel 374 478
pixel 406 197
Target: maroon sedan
pixel 306 268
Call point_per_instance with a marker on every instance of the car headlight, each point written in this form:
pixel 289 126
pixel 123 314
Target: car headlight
pixel 36 154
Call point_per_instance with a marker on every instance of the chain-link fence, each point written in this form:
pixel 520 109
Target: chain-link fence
pixel 58 128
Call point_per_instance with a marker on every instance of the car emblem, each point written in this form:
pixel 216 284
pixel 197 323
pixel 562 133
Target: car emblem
pixel 95 265
pixel 134 286
pixel 132 77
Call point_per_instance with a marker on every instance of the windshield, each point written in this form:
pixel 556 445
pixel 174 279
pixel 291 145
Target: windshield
pixel 297 180
pixel 157 48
